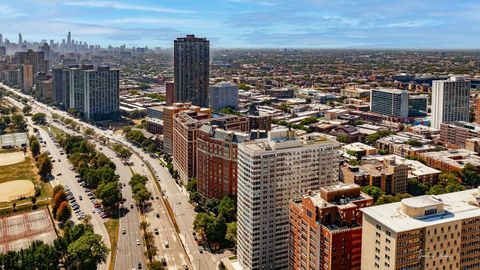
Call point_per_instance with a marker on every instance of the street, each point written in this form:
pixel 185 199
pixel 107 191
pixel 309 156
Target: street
pixel 176 196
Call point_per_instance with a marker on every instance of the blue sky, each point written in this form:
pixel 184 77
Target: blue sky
pixel 250 23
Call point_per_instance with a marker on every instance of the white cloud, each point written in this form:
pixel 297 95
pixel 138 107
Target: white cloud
pixel 9 12
pixel 123 6
pixel 164 21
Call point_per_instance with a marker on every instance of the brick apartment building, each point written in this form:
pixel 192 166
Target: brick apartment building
pixel 325 228
pixel 217 159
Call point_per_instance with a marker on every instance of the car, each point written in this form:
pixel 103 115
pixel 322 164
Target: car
pixel 138 242
pixel 58 174
pixel 80 197
pixel 158 215
pixel 156 197
pixel 156 231
pixel 93 210
pixel 200 249
pixel 59 160
pixel 185 267
pixel 131 206
pixel 66 187
pixel 139 266
pixel 124 231
pixel 165 244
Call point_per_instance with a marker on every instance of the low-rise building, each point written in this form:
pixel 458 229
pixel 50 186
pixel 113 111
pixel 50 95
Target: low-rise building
pixel 455 135
pixel 450 160
pixel 389 175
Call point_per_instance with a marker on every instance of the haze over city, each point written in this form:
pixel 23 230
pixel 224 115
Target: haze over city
pixel 239 135
pixel 251 24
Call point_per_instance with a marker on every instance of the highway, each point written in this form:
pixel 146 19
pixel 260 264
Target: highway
pixel 62 166
pixel 176 196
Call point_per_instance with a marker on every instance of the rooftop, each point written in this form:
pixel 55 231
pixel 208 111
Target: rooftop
pixel 457 206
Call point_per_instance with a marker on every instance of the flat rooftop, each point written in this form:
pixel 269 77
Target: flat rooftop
pixel 457 206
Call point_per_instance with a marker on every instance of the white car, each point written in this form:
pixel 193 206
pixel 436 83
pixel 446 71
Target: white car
pixel 138 242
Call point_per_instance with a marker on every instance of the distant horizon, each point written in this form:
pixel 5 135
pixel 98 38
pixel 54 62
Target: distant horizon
pixel 251 24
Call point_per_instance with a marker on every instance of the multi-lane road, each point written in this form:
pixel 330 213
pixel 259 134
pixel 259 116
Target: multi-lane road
pixel 175 195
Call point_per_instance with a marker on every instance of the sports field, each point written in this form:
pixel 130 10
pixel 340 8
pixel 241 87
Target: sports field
pixel 19 231
pixel 11 158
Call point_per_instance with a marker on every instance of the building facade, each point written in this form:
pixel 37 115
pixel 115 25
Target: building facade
pixel 192 70
pixel 455 134
pixel 391 102
pixel 94 92
pixel 223 94
pixel 270 173
pixel 185 132
pixel 325 228
pixel 450 101
pixel 167 116
pixel 423 233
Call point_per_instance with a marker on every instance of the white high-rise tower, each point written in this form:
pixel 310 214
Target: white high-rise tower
pixel 271 172
pixel 450 101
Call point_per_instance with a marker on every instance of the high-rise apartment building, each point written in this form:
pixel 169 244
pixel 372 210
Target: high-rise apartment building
pixel 392 102
pixel 170 93
pixel 167 116
pixel 36 59
pixel 217 159
pixel 185 132
pixel 423 233
pixel 477 110
pixel 27 78
pixel 61 86
pixel 95 92
pixel 325 228
pixel 192 70
pixel 270 173
pixel 450 101
pixel 3 50
pixel 20 39
pixel 223 94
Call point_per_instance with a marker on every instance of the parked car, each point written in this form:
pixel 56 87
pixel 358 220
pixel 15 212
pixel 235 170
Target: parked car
pixel 156 231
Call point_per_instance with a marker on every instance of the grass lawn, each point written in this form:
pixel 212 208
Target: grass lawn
pixel 24 171
pixel 112 229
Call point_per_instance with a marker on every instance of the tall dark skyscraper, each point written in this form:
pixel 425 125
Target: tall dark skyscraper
pixel 192 70
pixel 69 38
pixel 20 39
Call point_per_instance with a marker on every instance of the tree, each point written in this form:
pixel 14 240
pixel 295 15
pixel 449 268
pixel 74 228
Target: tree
pixel 231 234
pixel 18 121
pixel 384 199
pixel 63 212
pixel 414 143
pixel 227 208
pixel 110 194
pixel 27 109
pixel 88 131
pixel 416 187
pixel 192 185
pixel 44 165
pixel 87 252
pixel 470 175
pixel 39 118
pixel 308 121
pixel 35 147
pixel 343 138
pixel 57 189
pixel 60 197
pixel 373 191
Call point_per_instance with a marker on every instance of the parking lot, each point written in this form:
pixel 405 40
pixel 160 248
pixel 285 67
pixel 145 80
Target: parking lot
pixel 17 232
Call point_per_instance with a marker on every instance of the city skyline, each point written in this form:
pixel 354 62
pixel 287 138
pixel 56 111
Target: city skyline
pixel 250 24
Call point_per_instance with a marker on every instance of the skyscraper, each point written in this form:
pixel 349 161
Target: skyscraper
pixel 450 101
pixel 69 38
pixel 270 173
pixel 95 92
pixel 20 39
pixel 191 70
